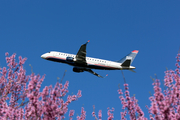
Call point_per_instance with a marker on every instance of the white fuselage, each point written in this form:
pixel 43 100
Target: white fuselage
pixel 92 63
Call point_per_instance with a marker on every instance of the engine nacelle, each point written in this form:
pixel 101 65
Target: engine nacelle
pixel 75 69
pixel 70 59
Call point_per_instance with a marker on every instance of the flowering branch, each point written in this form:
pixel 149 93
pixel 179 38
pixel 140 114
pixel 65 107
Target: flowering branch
pixel 20 96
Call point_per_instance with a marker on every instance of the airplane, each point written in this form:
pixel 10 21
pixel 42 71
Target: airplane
pixel 82 63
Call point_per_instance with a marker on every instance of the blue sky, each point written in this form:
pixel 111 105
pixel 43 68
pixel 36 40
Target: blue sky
pixel 114 28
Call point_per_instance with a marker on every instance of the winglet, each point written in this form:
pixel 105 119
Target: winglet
pixel 105 76
pixel 135 51
pixel 87 42
pixel 102 76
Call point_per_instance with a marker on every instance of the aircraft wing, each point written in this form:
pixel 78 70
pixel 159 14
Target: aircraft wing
pixel 92 72
pixel 81 55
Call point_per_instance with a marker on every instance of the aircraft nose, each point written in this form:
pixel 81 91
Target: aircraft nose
pixel 43 56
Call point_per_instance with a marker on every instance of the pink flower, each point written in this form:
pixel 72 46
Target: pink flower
pixel 110 114
pixel 6 54
pixel 83 114
pixel 21 97
pixel 100 114
pixel 71 113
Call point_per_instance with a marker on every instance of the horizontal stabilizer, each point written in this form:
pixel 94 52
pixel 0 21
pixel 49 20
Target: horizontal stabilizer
pixel 132 71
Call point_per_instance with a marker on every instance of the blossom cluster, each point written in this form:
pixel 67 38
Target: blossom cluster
pixel 165 104
pixel 130 105
pixel 20 96
pixel 99 114
pixel 83 114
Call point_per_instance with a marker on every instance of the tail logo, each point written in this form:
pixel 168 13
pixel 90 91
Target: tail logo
pixel 128 57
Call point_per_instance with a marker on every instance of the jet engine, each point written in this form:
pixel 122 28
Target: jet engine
pixel 70 59
pixel 75 69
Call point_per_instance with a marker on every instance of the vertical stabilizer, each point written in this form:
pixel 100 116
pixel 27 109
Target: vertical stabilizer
pixel 128 59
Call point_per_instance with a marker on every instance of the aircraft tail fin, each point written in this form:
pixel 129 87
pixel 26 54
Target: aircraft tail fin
pixel 128 59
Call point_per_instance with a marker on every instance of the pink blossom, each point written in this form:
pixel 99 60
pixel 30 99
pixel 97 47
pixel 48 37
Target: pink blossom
pixel 110 113
pixel 71 113
pixel 100 114
pixel 20 96
pixel 130 104
pixel 83 114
